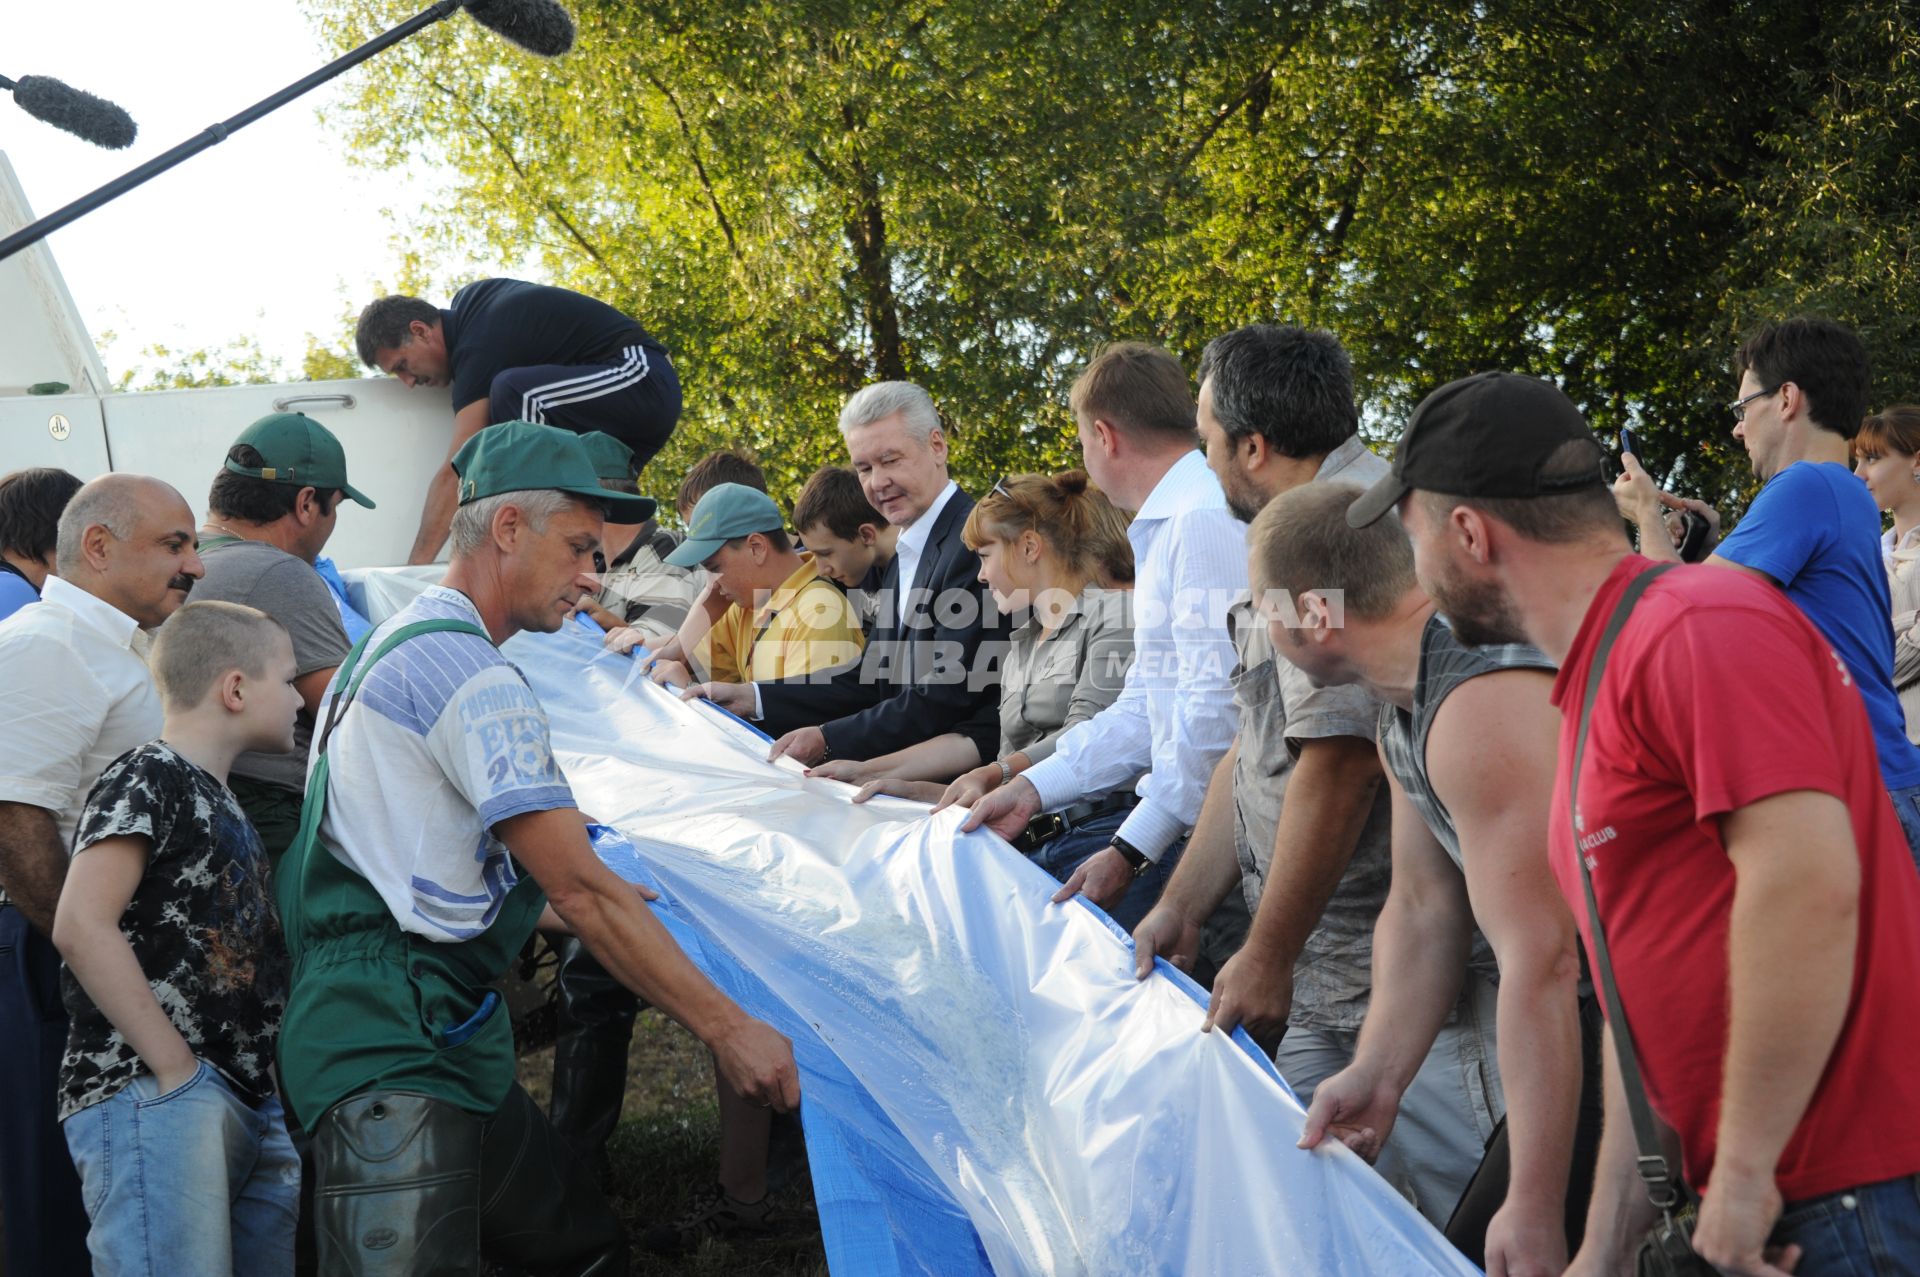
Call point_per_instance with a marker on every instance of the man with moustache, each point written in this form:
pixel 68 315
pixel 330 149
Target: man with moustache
pixel 1755 892
pixel 74 681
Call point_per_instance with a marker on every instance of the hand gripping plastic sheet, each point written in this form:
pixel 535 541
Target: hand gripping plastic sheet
pixel 986 1086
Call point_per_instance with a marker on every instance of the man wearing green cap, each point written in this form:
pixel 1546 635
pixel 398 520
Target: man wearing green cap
pixel 789 621
pixel 271 510
pixel 438 829
pixel 637 588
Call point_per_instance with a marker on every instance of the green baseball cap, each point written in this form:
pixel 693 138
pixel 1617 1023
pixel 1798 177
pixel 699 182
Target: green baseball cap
pixel 297 450
pixel 611 458
pixel 520 456
pixel 725 512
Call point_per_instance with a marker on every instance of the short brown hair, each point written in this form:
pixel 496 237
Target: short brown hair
pixel 1301 541
pixel 833 499
pixel 1139 388
pixel 715 469
pixel 202 641
pixel 1895 429
pixel 1064 510
pixel 386 321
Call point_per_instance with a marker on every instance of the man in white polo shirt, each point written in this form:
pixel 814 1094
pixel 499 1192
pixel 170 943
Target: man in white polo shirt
pixel 73 676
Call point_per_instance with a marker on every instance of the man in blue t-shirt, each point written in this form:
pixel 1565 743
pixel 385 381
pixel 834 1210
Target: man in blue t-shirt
pixel 1813 530
pixel 513 351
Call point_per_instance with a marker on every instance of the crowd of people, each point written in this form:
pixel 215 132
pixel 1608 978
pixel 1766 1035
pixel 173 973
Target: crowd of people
pixel 1570 886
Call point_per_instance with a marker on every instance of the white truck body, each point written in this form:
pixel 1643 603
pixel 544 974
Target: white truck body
pixel 394 438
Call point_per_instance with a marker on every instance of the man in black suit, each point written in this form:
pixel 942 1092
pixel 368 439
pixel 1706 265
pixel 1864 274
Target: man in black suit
pixel 933 663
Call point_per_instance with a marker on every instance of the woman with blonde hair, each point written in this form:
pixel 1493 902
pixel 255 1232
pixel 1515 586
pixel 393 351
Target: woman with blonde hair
pixel 1886 456
pixel 1048 547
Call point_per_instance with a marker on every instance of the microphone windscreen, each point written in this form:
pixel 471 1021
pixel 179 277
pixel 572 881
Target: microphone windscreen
pixel 538 26
pixel 79 113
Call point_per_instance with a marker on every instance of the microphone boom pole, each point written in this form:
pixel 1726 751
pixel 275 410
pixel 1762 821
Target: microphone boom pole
pixel 39 230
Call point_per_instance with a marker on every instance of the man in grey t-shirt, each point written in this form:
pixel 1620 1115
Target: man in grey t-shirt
pixel 271 510
pixel 1300 800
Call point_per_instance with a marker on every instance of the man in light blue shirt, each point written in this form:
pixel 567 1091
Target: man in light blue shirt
pixel 1175 717
pixel 1813 530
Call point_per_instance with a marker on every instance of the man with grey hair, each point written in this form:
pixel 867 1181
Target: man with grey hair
pixel 932 664
pixel 438 830
pixel 73 678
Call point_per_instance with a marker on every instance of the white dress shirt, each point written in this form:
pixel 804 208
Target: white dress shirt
pixel 911 545
pixel 74 681
pixel 1176 713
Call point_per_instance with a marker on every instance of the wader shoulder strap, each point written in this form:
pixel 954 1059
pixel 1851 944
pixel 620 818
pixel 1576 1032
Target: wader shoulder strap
pixel 352 673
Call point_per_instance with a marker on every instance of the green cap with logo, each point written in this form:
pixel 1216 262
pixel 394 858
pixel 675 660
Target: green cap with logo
pixel 296 450
pixel 520 456
pixel 725 512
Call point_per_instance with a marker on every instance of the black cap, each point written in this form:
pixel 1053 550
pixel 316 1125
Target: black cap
pixel 1495 434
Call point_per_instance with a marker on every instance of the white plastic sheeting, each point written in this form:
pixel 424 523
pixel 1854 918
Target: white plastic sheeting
pixel 1076 1116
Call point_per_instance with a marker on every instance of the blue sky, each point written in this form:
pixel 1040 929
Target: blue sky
pixel 270 233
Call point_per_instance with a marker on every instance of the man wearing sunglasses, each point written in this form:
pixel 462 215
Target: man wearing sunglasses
pixel 1813 529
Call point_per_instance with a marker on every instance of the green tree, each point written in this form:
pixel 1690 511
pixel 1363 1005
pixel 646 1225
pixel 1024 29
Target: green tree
pixel 159 366
pixel 238 362
pixel 805 195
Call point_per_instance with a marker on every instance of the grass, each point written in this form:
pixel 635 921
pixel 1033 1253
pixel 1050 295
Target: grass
pixel 668 1145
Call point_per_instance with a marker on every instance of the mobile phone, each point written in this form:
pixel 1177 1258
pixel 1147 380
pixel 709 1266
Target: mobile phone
pixel 1629 444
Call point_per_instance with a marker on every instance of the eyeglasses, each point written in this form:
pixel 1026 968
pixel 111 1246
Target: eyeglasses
pixel 1739 406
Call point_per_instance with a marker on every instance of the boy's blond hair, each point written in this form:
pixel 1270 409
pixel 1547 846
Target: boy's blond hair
pixel 202 641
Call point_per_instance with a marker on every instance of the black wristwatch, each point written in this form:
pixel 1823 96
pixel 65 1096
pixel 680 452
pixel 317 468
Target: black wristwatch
pixel 1136 859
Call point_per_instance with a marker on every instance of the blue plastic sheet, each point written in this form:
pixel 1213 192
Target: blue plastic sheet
pixel 987 1086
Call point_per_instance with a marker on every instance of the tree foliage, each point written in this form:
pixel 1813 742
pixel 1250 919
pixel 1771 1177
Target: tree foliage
pixel 240 361
pixel 801 196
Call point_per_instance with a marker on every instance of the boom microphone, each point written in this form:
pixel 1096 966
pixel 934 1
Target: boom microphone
pixel 78 112
pixel 538 26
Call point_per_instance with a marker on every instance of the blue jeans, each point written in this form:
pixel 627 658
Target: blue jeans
pixel 46 1225
pixel 1061 856
pixel 1906 804
pixel 1870 1231
pixel 192 1181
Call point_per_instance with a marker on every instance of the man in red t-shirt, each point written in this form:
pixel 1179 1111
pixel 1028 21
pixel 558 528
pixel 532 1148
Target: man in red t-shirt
pixel 1760 904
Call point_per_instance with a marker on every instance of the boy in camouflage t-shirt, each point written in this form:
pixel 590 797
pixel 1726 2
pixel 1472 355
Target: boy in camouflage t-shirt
pixel 177 972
